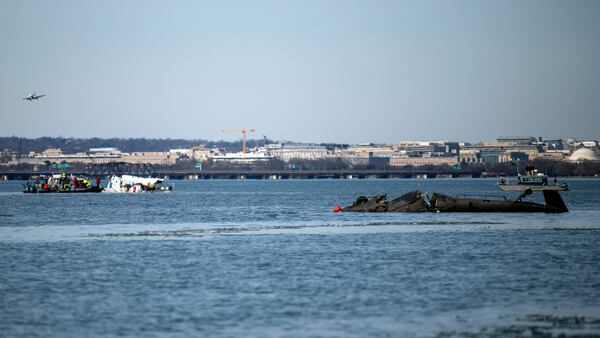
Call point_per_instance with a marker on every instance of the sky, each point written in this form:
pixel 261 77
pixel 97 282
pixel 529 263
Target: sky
pixel 312 71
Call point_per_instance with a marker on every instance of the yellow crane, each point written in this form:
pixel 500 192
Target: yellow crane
pixel 244 132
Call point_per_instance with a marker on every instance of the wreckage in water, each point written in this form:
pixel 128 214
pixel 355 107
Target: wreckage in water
pixel 135 184
pixel 417 201
pixel 414 201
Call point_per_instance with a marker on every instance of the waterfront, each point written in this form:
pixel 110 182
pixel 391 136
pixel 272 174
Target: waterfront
pixel 270 258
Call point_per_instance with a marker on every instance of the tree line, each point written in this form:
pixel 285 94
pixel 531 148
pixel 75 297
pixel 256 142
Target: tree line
pixel 74 145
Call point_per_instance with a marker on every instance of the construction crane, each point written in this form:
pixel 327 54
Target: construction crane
pixel 244 132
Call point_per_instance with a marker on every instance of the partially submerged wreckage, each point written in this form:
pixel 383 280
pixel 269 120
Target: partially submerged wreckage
pixel 135 184
pixel 417 201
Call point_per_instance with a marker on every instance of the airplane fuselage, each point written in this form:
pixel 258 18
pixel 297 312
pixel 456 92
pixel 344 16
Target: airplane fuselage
pixel 32 97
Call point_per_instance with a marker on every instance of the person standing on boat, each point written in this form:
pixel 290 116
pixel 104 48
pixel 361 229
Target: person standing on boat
pixel 97 181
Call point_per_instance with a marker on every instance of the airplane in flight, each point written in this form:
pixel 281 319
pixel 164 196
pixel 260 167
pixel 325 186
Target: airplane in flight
pixel 32 97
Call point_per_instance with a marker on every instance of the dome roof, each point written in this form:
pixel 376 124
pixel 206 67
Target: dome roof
pixel 584 154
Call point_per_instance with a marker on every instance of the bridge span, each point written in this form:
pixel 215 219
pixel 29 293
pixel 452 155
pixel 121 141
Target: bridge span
pixel 103 171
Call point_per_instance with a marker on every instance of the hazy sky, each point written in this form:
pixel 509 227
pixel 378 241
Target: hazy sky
pixel 314 71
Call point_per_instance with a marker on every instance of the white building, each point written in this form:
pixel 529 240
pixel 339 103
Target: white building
pixel 298 151
pixel 150 157
pixel 106 155
pixel 419 161
pixel 584 155
pixel 242 158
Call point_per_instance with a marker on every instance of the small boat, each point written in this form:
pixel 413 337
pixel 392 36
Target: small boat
pixel 61 183
pixel 135 184
pixel 533 181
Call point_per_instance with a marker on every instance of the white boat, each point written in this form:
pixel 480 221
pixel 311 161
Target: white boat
pixel 135 184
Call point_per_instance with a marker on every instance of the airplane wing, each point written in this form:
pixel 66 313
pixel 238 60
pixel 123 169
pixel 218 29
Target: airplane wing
pixel 37 97
pixel 26 98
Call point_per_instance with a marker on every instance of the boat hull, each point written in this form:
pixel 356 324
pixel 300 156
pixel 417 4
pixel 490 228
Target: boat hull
pixel 93 189
pixel 524 187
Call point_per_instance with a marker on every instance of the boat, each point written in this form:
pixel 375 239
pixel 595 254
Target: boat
pixel 61 183
pixel 533 181
pixel 135 184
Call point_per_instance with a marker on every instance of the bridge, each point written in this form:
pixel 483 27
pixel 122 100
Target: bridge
pixel 311 174
pixel 240 173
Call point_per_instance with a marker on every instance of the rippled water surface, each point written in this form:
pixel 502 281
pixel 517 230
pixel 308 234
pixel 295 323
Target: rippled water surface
pixel 269 258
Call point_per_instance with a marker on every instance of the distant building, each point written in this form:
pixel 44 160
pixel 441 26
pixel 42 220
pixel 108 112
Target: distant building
pixel 554 155
pixel 105 155
pixel 150 157
pixel 377 161
pixel 512 156
pixel 419 147
pixel 490 156
pixel 6 155
pixel 420 161
pixel 504 149
pixel 202 154
pixel 589 144
pixel 356 160
pixel 549 145
pixel 470 156
pixel 574 144
pixel 105 151
pixel 181 152
pixel 298 151
pixel 451 147
pixel 518 140
pixel 584 155
pixel 94 156
pixel 363 151
pixel 240 158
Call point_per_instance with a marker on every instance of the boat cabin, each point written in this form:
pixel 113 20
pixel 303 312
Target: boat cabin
pixel 538 179
pixel 532 177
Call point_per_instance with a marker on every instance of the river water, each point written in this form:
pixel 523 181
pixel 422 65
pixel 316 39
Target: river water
pixel 223 258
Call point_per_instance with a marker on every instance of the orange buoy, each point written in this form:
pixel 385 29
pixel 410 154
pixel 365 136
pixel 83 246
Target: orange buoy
pixel 337 208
